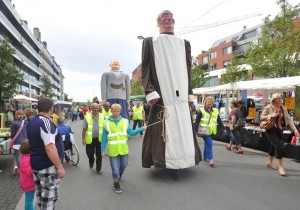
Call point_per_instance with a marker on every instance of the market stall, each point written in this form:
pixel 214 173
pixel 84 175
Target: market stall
pixel 252 135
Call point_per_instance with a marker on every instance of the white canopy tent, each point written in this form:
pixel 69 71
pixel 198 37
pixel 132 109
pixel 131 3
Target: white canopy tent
pixel 24 98
pixel 272 85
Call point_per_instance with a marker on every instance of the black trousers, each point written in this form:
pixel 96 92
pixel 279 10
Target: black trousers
pixel 91 150
pixel 140 123
pixel 274 135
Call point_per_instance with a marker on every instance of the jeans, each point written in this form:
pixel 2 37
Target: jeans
pixel 118 165
pixel 208 144
pixel 29 197
pixel 17 158
pixel 235 136
pixel 140 123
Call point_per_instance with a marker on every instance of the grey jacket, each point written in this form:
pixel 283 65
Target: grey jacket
pixel 115 87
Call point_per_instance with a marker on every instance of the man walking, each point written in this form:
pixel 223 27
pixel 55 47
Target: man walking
pixel 138 115
pixel 46 149
pixel 92 136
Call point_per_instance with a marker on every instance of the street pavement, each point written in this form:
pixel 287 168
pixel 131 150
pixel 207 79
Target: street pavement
pixel 236 182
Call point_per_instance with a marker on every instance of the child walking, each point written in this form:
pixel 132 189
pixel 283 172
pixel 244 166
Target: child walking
pixel 115 130
pixel 26 175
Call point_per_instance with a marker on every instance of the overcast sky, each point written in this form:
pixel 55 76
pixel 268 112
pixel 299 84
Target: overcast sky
pixel 84 36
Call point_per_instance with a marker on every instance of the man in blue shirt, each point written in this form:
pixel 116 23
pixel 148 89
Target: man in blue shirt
pixel 46 154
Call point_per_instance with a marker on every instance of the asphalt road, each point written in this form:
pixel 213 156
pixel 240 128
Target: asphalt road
pixel 236 182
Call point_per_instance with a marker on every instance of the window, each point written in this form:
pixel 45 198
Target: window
pixel 226 63
pixel 213 67
pixel 227 50
pixel 205 60
pixel 213 55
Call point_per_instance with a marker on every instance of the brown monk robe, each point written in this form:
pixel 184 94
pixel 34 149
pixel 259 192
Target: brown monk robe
pixel 166 68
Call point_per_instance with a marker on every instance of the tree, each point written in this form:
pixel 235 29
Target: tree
pixel 198 76
pixel 10 76
pixel 277 52
pixel 234 71
pixel 136 88
pixel 46 86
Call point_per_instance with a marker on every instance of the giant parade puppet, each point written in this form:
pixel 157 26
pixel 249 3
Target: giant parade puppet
pixel 115 87
pixel 169 140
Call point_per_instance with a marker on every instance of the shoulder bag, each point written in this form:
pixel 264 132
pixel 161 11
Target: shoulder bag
pixel 11 143
pixel 204 130
pixel 240 123
pixel 268 124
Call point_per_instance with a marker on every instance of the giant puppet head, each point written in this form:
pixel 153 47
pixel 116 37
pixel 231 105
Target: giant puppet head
pixel 165 22
pixel 115 65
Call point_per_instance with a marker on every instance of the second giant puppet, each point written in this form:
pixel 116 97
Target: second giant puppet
pixel 166 68
pixel 115 87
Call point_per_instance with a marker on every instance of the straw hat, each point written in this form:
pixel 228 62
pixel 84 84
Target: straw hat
pixel 275 95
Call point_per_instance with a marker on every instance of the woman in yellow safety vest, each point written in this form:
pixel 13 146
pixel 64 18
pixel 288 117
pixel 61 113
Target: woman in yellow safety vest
pixel 208 116
pixel 114 134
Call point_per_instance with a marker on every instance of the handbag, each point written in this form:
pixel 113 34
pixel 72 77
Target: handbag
pixel 11 143
pixel 240 123
pixel 204 130
pixel 268 124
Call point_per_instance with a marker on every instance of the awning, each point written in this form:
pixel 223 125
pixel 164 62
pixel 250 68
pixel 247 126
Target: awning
pixel 24 98
pixel 272 85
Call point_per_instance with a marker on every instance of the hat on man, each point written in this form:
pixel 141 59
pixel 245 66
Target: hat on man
pixel 275 95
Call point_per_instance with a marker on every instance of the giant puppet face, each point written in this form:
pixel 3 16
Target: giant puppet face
pixel 115 65
pixel 165 22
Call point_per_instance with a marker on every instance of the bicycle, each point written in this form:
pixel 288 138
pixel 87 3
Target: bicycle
pixel 71 150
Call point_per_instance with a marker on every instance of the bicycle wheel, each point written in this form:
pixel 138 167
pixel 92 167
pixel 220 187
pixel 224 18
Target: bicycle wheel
pixel 74 155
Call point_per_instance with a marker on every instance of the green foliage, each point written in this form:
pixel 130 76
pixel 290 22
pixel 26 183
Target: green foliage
pixel 277 52
pixel 234 72
pixel 46 86
pixel 136 88
pixel 10 76
pixel 198 77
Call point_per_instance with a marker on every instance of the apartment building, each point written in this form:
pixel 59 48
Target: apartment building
pixel 215 60
pixel 31 56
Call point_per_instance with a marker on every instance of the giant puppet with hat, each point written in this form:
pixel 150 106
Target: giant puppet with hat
pixel 115 87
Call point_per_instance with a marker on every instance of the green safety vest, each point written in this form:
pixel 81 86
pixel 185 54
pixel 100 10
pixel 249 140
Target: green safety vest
pixel 137 113
pixel 117 137
pixel 106 114
pixel 212 127
pixel 89 132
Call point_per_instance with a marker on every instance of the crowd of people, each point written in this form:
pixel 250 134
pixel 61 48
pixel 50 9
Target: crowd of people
pixel 37 139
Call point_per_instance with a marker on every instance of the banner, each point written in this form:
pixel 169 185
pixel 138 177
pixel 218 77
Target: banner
pixel 289 103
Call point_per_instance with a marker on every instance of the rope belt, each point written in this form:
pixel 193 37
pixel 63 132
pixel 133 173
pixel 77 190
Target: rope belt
pixel 162 116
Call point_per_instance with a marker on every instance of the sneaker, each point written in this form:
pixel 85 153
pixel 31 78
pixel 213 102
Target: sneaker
pixel 99 172
pixel 211 163
pixel 117 187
